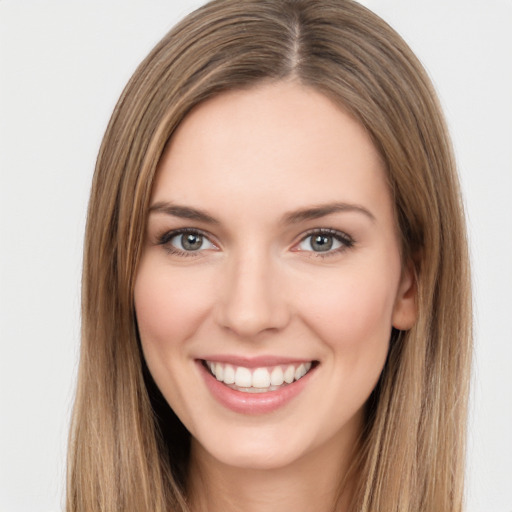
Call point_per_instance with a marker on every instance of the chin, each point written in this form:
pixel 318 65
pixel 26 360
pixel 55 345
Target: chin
pixel 253 450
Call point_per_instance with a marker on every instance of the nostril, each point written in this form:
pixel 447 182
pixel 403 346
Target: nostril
pixel 248 317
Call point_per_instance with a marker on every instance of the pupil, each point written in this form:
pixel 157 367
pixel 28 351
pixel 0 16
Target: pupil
pixel 321 243
pixel 191 242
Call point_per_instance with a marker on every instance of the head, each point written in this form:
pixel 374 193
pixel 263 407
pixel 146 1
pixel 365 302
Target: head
pixel 342 52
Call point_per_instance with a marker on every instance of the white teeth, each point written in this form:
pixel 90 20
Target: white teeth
pixel 219 371
pixel 300 372
pixel 243 377
pixel 259 379
pixel 277 377
pixel 229 374
pixel 289 374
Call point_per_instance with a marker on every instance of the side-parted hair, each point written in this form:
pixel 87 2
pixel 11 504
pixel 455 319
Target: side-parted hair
pixel 127 451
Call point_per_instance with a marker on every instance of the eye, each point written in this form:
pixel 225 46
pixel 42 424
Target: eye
pixel 185 241
pixel 190 242
pixel 325 241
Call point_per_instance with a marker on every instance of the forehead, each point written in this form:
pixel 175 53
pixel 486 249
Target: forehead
pixel 280 143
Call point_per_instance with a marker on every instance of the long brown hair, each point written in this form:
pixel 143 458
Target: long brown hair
pixel 127 450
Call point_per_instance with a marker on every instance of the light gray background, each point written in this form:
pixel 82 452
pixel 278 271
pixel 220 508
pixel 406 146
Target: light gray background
pixel 63 65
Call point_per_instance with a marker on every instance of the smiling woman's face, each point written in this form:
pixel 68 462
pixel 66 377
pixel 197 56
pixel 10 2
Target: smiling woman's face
pixel 271 252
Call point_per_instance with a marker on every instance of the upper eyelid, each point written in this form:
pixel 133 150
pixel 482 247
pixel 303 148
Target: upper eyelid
pixel 326 231
pixel 171 233
pixel 331 231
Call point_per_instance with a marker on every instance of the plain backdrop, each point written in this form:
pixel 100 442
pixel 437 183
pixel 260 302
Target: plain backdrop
pixel 63 65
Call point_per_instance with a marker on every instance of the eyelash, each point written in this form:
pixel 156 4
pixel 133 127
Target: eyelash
pixel 165 239
pixel 346 241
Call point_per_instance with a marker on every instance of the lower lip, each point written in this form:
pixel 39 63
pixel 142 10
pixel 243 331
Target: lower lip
pixel 253 403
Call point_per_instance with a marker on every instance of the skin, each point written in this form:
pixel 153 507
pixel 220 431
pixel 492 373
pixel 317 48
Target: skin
pixel 256 287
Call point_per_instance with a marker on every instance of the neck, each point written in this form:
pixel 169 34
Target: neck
pixel 318 481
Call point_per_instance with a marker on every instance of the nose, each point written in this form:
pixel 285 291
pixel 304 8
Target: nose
pixel 252 299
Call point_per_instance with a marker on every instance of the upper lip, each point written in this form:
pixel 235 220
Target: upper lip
pixel 255 362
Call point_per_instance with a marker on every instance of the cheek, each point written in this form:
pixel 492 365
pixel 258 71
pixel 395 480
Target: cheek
pixel 169 306
pixel 352 317
pixel 352 313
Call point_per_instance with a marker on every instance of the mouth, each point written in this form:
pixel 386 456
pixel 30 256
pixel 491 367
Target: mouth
pixel 262 379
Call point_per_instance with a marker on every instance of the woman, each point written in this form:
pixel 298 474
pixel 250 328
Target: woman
pixel 276 305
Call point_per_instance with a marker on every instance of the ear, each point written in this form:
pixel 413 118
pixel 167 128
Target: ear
pixel 405 309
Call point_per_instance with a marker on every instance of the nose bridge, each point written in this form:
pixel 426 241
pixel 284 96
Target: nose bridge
pixel 252 300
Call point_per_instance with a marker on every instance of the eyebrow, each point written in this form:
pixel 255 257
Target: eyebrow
pixel 316 212
pixel 183 212
pixel 294 217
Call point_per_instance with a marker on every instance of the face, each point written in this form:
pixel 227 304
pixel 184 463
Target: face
pixel 271 277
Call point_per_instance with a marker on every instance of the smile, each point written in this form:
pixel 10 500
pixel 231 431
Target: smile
pixel 257 380
pixel 255 386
